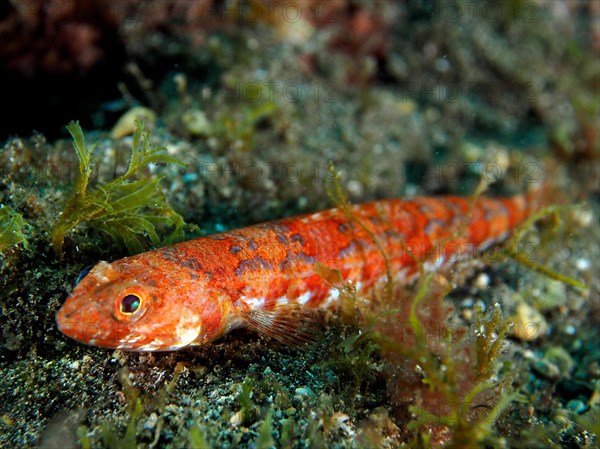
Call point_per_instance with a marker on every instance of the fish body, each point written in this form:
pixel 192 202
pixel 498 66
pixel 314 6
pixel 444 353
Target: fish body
pixel 196 291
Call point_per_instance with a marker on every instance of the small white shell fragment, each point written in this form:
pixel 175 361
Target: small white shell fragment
pixel 125 126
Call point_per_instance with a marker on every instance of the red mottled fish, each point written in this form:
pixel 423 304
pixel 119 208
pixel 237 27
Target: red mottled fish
pixel 261 276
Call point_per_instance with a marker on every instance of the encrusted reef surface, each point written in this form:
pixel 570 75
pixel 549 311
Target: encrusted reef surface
pixel 246 105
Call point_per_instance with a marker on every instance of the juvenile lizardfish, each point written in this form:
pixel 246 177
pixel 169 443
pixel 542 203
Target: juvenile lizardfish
pixel 263 276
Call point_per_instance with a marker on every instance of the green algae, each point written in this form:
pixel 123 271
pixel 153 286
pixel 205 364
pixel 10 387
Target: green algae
pixel 249 409
pixel 84 439
pixel 197 439
pixel 128 208
pixel 110 436
pixel 460 398
pixel 134 409
pixel 489 339
pixel 12 228
pixel 511 248
pixel 237 129
pixel 334 190
pixel 265 433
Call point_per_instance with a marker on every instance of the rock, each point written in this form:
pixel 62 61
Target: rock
pixel 549 294
pixel 150 423
pixel 237 419
pixel 577 406
pixel 303 391
pixel 195 122
pixel 529 324
pixel 561 358
pixel 546 369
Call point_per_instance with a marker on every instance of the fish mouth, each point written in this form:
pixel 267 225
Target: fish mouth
pixel 95 334
pixel 87 333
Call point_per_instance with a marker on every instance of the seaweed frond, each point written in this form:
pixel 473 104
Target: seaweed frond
pixel 197 439
pixel 456 399
pixel 134 409
pixel 110 435
pixel 12 225
pixel 444 383
pixel 335 192
pixel 128 208
pixel 82 436
pixel 511 249
pixel 489 340
pixel 249 409
pixel 265 433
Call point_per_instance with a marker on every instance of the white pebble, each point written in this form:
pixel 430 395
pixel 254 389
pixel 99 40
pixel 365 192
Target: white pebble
pixel 482 281
pixel 582 264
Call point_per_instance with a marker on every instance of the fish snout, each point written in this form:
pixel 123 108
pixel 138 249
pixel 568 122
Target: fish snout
pixel 73 325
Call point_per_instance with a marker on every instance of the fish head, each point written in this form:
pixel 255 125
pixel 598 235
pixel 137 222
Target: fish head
pixel 130 306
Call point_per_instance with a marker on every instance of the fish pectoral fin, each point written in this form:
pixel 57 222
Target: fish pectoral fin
pixel 286 323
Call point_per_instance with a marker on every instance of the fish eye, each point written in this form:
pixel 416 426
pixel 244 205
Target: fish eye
pixel 83 273
pixel 130 304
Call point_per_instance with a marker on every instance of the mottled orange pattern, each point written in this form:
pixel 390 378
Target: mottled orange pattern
pixel 263 275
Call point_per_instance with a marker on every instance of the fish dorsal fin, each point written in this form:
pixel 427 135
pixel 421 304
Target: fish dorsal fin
pixel 287 323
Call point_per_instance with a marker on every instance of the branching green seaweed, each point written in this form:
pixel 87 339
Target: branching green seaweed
pixel 510 249
pixel 489 340
pixel 457 390
pixel 335 192
pixel 130 207
pixel 469 414
pixel 12 225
